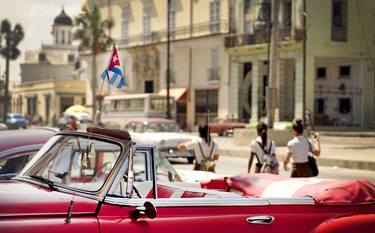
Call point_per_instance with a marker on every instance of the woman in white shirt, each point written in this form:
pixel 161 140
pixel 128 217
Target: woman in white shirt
pixel 260 147
pixel 205 150
pixel 298 149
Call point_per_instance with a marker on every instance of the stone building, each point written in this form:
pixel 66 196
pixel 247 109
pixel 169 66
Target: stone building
pixel 50 76
pixel 199 63
pixel 340 49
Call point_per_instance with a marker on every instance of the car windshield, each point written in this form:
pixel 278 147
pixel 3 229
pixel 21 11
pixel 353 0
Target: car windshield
pixel 75 162
pixel 161 127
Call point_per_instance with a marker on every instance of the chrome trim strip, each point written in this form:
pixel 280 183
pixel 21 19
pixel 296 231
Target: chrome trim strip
pixel 292 201
pixel 177 202
pixel 235 201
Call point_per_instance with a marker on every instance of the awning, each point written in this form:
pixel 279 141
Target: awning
pixel 177 93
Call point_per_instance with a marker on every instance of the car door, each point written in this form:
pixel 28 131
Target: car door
pixel 180 210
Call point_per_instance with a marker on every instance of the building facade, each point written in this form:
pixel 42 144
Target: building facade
pixel 50 77
pixel 198 61
pixel 340 80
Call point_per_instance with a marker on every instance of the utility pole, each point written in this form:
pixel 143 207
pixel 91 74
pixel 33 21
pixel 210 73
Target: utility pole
pixel 304 16
pixel 272 102
pixel 6 94
pixel 168 57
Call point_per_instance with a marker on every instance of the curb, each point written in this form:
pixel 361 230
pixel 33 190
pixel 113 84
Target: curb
pixel 328 162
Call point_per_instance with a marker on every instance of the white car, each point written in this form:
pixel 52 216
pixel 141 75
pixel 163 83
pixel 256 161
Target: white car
pixel 165 134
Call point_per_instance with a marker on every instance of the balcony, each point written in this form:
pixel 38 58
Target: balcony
pixel 261 37
pixel 177 33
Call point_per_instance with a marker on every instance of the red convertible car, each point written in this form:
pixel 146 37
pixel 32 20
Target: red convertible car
pixel 86 182
pixel 224 127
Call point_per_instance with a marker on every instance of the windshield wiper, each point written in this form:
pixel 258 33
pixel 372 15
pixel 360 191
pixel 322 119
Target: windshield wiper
pixel 44 180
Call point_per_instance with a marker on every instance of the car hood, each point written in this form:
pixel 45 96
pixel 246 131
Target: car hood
pixel 18 198
pixel 162 138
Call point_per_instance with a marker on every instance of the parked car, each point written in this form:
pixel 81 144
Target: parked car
pixel 17 147
pixel 164 133
pixel 224 127
pixel 83 118
pixel 16 121
pixel 3 126
pixel 86 182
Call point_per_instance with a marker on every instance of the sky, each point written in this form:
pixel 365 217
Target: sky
pixel 36 18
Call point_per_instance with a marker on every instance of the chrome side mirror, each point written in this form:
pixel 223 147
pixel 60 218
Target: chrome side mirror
pixel 148 210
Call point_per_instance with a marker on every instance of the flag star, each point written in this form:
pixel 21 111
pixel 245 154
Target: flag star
pixel 115 59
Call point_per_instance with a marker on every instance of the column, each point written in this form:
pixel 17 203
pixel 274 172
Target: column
pixel 234 78
pixel 298 89
pixel 280 83
pixel 255 95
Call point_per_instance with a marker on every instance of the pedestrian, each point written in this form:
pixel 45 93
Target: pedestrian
pixel 263 149
pixel 98 120
pixel 307 120
pixel 73 124
pixel 299 149
pixel 205 150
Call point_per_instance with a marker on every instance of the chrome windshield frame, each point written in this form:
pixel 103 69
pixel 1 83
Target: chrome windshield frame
pixel 100 193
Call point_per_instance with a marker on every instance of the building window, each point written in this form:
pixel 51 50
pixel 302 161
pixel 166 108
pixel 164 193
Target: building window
pixel 125 18
pixel 214 72
pixel 248 16
pixel 172 19
pixel 63 37
pixel 321 72
pixel 214 15
pixel 147 23
pixel 232 17
pixel 149 86
pixel 339 20
pixel 344 71
pixel 205 99
pixel 319 106
pixel 70 58
pixel 70 37
pixel 42 57
pixel 56 37
pixel 287 14
pixel 345 105
pixel 286 23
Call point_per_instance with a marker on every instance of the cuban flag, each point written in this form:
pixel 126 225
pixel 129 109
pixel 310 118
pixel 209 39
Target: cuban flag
pixel 113 72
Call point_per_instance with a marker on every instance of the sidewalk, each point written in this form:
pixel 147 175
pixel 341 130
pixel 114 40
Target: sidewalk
pixel 344 152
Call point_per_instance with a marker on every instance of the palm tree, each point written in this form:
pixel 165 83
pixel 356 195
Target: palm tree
pixel 9 52
pixel 92 35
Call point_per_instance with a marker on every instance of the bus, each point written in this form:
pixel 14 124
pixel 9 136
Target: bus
pixel 118 109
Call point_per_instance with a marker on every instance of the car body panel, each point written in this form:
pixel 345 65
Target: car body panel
pixel 16 138
pixel 39 200
pixel 351 223
pixel 191 217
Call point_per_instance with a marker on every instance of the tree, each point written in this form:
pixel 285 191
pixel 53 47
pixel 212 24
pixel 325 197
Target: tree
pixel 10 52
pixel 91 33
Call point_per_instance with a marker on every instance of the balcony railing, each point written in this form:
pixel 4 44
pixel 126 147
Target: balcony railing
pixel 213 73
pixel 261 37
pixel 178 33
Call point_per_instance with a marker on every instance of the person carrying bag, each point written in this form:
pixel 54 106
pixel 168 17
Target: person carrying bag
pixel 263 149
pixel 299 149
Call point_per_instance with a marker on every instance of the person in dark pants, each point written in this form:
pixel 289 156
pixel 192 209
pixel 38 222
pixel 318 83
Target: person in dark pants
pixel 298 149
